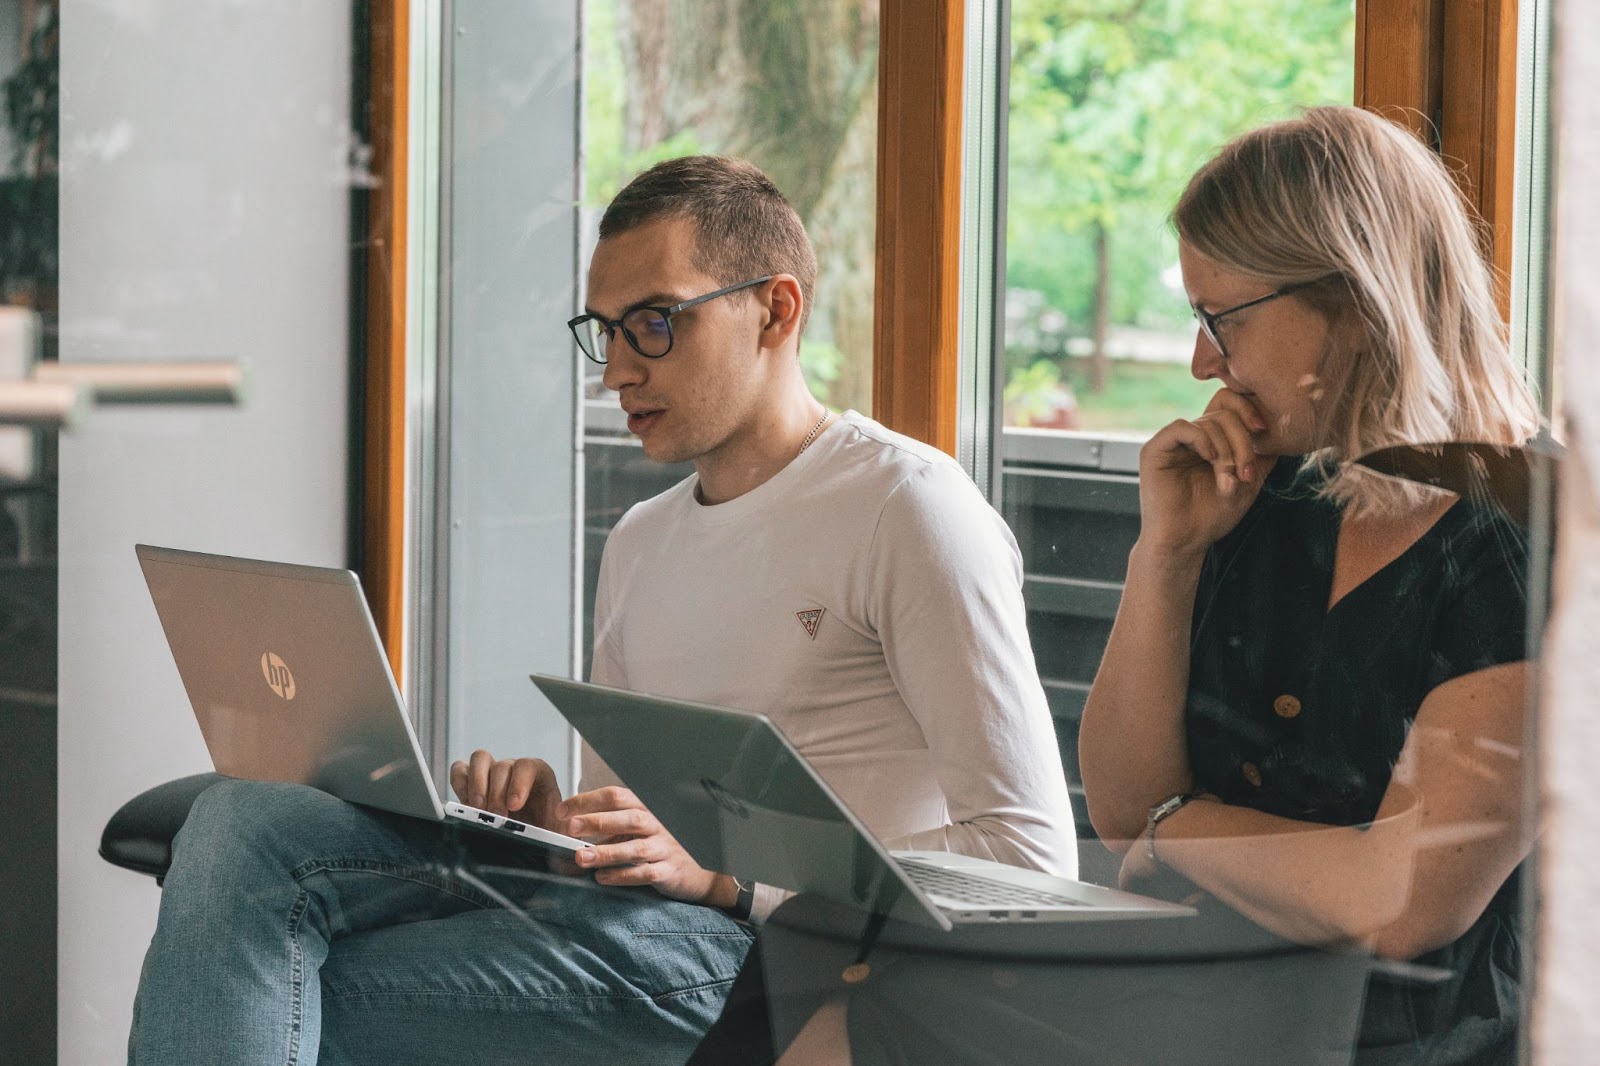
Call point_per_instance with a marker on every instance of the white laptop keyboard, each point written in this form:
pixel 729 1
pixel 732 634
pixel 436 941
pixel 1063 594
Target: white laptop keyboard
pixel 980 891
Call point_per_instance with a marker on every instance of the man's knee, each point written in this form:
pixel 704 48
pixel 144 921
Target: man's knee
pixel 256 816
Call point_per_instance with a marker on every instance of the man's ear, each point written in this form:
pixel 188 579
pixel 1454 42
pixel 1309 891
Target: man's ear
pixel 784 304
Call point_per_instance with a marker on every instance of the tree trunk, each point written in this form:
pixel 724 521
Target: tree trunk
pixel 789 85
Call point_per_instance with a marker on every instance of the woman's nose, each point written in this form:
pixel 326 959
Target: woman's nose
pixel 1206 362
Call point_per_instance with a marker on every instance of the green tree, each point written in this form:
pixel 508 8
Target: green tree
pixel 1114 103
pixel 788 84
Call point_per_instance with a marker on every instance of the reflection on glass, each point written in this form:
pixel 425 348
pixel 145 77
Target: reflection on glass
pixel 1113 105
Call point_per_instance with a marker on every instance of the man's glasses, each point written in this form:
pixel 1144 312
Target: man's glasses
pixel 648 329
pixel 1210 320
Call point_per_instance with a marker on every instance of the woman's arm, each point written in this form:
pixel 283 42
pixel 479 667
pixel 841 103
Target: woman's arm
pixel 1450 830
pixel 1131 748
pixel 1196 481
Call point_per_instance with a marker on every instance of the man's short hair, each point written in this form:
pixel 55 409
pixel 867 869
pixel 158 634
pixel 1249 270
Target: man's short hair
pixel 744 226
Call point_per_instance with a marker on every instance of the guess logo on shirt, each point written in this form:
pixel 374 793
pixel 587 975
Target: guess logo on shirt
pixel 811 620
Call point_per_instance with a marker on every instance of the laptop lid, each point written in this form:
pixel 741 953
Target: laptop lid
pixel 288 678
pixel 739 797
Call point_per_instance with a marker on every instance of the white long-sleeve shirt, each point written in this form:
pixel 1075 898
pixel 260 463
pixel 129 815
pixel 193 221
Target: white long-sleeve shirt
pixel 868 600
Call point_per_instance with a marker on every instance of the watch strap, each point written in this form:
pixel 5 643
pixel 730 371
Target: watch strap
pixel 1165 809
pixel 744 901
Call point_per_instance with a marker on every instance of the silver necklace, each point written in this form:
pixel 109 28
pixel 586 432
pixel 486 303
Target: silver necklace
pixel 814 431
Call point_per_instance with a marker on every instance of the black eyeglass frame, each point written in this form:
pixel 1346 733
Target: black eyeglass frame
pixel 1208 319
pixel 611 326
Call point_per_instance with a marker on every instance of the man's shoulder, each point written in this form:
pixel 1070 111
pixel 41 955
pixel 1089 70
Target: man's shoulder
pixel 872 437
pixel 656 509
pixel 872 452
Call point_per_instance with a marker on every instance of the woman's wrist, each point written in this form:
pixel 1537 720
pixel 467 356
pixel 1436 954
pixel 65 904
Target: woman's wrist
pixel 1168 558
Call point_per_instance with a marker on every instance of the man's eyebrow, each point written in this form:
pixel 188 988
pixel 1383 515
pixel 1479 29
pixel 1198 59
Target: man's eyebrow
pixel 654 299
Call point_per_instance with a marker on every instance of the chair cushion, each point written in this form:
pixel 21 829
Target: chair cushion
pixel 139 836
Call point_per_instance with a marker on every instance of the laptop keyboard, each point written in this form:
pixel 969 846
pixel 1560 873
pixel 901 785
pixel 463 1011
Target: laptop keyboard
pixel 978 891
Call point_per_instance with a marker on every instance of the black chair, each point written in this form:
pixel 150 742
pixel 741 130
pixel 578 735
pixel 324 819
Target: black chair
pixel 139 836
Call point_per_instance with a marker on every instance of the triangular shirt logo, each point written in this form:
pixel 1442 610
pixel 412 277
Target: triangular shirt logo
pixel 811 620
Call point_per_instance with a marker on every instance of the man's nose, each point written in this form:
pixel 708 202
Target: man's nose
pixel 624 366
pixel 1206 362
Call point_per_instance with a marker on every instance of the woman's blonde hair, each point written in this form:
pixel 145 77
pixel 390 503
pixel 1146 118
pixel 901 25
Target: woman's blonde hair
pixel 1418 351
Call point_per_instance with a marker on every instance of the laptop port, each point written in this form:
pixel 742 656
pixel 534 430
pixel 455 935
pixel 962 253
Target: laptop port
pixel 515 827
pixel 1027 914
pixel 487 819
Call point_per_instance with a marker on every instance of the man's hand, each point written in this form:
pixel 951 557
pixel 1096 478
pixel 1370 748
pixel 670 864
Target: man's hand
pixel 524 789
pixel 633 848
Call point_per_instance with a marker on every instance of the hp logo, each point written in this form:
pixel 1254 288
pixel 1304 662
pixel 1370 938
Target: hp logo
pixel 279 679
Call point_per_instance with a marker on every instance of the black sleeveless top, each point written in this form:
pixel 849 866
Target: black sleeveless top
pixel 1301 712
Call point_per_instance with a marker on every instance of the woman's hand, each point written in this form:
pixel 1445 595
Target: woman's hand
pixel 1198 478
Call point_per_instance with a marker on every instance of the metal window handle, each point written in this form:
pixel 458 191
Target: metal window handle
pixel 212 381
pixel 42 404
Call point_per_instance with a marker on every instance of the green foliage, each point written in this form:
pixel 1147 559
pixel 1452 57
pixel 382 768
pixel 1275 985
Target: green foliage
pixel 820 362
pixel 1138 395
pixel 1114 103
pixel 1030 392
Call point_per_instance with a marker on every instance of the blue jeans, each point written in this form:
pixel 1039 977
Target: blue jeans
pixel 297 928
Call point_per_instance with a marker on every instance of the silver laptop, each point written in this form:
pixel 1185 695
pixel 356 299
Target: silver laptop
pixel 742 800
pixel 289 682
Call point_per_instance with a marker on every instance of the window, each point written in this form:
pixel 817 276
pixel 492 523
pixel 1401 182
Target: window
pixel 1112 106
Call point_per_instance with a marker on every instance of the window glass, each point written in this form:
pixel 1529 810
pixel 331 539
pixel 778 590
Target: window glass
pixel 1114 104
pixel 791 87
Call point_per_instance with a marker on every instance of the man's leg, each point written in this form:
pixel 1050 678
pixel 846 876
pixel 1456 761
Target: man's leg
pixel 264 877
pixel 585 974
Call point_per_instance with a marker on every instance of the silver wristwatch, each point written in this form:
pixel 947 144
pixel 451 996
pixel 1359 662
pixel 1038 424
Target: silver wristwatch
pixel 1164 809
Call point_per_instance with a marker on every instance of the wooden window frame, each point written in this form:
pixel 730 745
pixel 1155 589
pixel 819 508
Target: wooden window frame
pixel 379 521
pixel 1449 68
pixel 1448 72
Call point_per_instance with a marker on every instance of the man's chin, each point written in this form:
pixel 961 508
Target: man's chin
pixel 665 452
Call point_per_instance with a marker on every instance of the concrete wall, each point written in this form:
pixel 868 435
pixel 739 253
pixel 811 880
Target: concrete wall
pixel 203 213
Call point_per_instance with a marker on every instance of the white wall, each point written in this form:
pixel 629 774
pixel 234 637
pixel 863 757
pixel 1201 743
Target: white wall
pixel 204 211
pixel 1566 1024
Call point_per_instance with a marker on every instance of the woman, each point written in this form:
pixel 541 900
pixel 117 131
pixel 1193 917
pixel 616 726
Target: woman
pixel 1302 643
pixel 1309 714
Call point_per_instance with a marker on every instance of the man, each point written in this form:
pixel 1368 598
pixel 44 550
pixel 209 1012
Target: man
pixel 848 582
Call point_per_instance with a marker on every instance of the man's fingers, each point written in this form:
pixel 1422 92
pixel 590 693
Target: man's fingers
pixel 544 797
pixel 530 779
pixel 622 853
pixel 631 822
pixel 458 779
pixel 495 795
pixel 478 765
pixel 614 798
